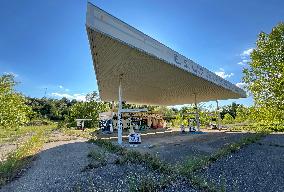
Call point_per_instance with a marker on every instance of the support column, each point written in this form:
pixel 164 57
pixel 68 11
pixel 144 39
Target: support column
pixel 196 114
pixel 218 113
pixel 119 121
pixel 112 114
pixel 112 109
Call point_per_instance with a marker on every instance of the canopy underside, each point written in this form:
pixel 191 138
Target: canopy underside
pixel 146 79
pixel 152 73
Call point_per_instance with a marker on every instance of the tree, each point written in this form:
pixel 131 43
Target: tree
pixel 231 109
pixel 92 96
pixel 13 110
pixel 242 114
pixel 265 75
pixel 228 119
pixel 87 110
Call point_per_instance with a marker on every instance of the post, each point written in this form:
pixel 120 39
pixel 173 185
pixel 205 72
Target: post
pixel 218 113
pixel 119 121
pixel 112 109
pixel 112 113
pixel 196 114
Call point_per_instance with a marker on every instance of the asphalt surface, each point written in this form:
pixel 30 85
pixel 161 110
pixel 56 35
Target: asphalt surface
pixel 257 167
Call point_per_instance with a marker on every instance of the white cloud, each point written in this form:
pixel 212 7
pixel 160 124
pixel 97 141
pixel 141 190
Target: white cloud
pixel 223 74
pixel 60 86
pixel 243 62
pixel 246 53
pixel 77 96
pixel 241 85
pixel 67 90
pixel 11 73
pixel 245 56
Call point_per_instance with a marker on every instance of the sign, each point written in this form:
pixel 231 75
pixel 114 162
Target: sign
pixel 80 122
pixel 134 138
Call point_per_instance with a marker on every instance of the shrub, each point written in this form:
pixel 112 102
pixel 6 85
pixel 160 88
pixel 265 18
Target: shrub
pixel 13 110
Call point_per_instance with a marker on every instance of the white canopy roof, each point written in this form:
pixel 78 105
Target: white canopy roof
pixel 152 72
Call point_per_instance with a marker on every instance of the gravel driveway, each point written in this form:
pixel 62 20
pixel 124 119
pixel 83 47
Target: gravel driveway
pixel 56 168
pixel 257 167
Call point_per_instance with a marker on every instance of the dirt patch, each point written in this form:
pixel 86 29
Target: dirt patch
pixel 59 136
pixel 5 149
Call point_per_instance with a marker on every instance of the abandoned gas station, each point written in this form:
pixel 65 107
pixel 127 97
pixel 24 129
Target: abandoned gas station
pixel 133 67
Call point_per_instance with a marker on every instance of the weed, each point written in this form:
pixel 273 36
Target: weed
pixel 131 156
pixel 87 133
pixel 11 135
pixel 152 162
pixel 77 188
pixel 109 146
pixel 191 166
pixel 148 182
pixel 189 169
pixel 19 158
pixel 97 155
pixel 202 184
pixel 98 158
pixel 223 184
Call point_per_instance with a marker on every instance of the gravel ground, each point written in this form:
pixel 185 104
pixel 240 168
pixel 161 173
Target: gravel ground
pixel 257 167
pixel 120 178
pixel 61 166
pixel 187 145
pixel 55 169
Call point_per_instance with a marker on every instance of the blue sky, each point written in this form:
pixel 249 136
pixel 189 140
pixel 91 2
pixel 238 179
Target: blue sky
pixel 44 43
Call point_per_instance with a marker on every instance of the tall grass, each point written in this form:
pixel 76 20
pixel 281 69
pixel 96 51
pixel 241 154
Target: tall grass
pixel 11 135
pixel 87 133
pixel 18 159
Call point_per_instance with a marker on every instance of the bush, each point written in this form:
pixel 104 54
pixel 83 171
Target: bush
pixel 18 159
pixel 13 110
pixel 228 119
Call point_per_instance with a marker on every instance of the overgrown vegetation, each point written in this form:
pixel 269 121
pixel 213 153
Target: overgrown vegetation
pixel 12 135
pixel 193 165
pixel 98 158
pixel 109 146
pixel 13 111
pixel 265 76
pixel 149 182
pixel 65 111
pixel 132 156
pixel 189 169
pixel 140 183
pixel 87 133
pixel 19 159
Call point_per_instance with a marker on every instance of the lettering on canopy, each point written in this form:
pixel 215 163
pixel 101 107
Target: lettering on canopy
pixel 189 65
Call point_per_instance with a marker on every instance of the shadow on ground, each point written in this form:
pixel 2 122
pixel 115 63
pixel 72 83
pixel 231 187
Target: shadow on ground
pixel 61 165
